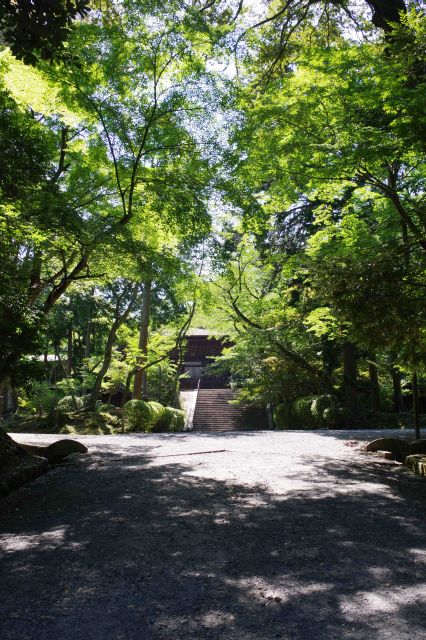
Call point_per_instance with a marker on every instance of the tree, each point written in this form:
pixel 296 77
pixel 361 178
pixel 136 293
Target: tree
pixel 122 298
pixel 117 154
pixel 39 30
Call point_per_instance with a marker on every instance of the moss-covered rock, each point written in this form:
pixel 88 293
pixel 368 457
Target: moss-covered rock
pixel 68 404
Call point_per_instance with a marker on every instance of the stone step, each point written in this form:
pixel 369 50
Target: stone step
pixel 213 412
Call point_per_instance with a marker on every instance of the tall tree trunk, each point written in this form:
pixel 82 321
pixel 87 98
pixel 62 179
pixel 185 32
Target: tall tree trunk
pixel 35 278
pixel 119 319
pixel 88 336
pixel 127 387
pixel 374 387
pixel 69 352
pixel 350 374
pixel 397 391
pixel 416 409
pixel 140 382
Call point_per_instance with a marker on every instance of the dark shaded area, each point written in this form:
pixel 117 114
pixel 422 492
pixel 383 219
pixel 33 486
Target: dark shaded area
pixel 17 465
pixel 111 547
pixel 39 29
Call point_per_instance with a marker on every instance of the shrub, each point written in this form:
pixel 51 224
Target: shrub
pixel 42 398
pixel 68 404
pixel 320 404
pixel 335 417
pixel 178 419
pixel 164 424
pixel 69 386
pixel 86 400
pixel 384 420
pixel 157 411
pixel 138 416
pixel 283 415
pixel 107 408
pixel 302 413
pixel 152 416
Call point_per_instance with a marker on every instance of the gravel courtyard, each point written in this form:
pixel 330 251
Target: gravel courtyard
pixel 242 536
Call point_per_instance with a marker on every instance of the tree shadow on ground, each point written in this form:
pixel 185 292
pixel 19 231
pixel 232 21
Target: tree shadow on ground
pixel 120 546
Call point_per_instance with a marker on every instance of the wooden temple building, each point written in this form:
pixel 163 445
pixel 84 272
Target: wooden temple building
pixel 210 401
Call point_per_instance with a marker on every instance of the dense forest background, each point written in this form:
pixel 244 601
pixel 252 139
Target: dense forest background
pixel 253 168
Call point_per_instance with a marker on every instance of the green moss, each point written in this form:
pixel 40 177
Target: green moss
pixel 69 403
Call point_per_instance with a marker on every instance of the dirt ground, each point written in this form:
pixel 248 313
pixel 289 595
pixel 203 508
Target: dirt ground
pixel 242 536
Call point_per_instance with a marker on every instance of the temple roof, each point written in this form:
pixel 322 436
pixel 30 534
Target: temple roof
pixel 196 331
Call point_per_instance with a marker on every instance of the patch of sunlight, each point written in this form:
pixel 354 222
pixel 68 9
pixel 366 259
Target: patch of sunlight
pixel 31 87
pixel 419 554
pixel 212 619
pixel 262 590
pixel 389 600
pixel 41 541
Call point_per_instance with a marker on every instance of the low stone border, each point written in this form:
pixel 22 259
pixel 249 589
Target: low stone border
pixel 22 474
pixel 417 463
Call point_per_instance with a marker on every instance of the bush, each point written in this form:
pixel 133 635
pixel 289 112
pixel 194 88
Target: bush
pixel 320 404
pixel 138 416
pixel 157 410
pixel 69 386
pixel 86 400
pixel 302 413
pixel 384 420
pixel 309 412
pixel 152 417
pixel 178 419
pixel 42 398
pixel 335 417
pixel 107 408
pixel 164 424
pixel 283 415
pixel 68 404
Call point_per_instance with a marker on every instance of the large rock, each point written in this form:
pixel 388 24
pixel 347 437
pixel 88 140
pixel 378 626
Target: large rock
pixel 400 448
pixel 56 451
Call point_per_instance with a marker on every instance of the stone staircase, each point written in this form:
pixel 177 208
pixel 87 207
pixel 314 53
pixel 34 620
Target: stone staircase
pixel 214 413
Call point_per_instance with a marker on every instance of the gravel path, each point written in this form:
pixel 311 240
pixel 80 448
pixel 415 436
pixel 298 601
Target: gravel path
pixel 241 536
